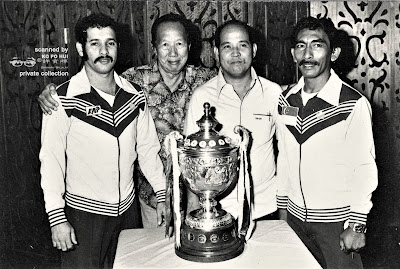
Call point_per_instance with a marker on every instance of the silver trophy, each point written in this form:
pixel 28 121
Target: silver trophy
pixel 209 165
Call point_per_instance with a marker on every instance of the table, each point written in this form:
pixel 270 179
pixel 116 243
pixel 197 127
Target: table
pixel 273 245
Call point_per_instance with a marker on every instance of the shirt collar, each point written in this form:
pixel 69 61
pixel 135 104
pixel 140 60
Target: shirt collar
pixel 329 93
pixel 80 84
pixel 154 67
pixel 221 82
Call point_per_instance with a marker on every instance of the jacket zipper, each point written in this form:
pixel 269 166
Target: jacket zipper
pixel 119 159
pixel 301 187
pixel 300 155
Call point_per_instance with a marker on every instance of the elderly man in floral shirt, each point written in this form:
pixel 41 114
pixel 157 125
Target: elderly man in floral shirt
pixel 168 84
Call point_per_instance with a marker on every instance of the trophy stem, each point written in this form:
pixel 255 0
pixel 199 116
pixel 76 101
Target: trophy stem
pixel 208 205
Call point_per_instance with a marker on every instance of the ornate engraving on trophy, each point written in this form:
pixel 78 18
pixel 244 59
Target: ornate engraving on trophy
pixel 214 238
pixel 191 237
pixel 225 237
pixel 202 238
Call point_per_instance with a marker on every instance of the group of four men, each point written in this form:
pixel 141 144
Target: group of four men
pixel 325 172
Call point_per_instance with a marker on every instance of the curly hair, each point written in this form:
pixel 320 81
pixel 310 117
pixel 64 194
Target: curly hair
pixel 312 23
pixel 98 20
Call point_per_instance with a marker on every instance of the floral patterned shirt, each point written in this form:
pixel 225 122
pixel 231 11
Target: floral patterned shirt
pixel 167 109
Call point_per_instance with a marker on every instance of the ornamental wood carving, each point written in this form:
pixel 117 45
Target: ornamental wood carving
pixel 372 28
pixel 24 27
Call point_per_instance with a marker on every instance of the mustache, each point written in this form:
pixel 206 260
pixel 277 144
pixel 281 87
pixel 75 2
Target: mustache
pixel 104 57
pixel 308 62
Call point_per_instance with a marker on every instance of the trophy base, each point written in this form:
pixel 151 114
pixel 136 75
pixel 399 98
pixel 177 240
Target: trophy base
pixel 214 245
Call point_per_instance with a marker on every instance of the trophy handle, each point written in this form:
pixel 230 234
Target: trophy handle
pixel 244 133
pixel 244 185
pixel 170 143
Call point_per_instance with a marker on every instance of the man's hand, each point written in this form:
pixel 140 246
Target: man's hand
pixel 46 101
pixel 351 241
pixel 282 214
pixel 153 201
pixel 160 213
pixel 63 236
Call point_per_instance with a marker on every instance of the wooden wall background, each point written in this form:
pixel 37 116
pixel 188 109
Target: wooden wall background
pixel 26 25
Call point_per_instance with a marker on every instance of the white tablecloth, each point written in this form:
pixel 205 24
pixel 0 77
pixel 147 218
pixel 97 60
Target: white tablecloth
pixel 273 245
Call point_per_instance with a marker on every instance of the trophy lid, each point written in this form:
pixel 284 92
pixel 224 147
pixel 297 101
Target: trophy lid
pixel 207 139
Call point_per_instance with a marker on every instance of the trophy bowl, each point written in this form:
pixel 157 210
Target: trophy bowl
pixel 209 165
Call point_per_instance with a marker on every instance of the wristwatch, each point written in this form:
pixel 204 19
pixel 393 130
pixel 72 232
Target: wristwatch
pixel 358 227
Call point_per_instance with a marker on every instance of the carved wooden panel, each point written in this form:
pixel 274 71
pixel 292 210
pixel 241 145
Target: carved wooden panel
pixel 21 31
pixel 281 20
pixel 395 78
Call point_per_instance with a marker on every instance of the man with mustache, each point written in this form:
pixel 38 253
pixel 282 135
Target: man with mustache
pixel 89 146
pixel 326 162
pixel 240 97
